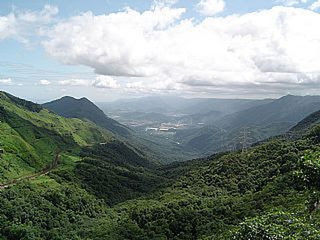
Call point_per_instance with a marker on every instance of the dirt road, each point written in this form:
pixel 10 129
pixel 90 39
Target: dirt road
pixel 45 171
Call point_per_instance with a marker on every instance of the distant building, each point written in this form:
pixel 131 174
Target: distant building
pixel 163 129
pixel 151 129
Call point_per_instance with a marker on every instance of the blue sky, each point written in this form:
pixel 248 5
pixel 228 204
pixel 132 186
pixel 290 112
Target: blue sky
pixel 37 72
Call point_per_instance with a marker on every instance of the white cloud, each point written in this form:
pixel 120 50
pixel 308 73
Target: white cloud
pixel 145 86
pixel 211 7
pixel 163 3
pixel 44 82
pixel 102 81
pixel 21 25
pixel 115 44
pixel 266 51
pixel 74 82
pixel 291 2
pixel 6 81
pixel 315 6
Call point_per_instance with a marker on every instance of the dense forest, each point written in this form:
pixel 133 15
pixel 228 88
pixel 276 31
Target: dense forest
pixel 103 188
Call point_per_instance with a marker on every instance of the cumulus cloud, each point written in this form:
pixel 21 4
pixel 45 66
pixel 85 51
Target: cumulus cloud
pixel 6 81
pixel 265 51
pixel 292 2
pixel 100 81
pixel 315 6
pixel 120 44
pixel 105 82
pixel 163 3
pixel 145 86
pixel 44 82
pixel 211 7
pixel 74 82
pixel 21 25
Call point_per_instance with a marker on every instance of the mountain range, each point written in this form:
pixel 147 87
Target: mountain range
pixel 70 178
pixel 169 104
pixel 213 125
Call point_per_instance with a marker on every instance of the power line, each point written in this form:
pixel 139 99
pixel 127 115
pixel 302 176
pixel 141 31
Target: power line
pixel 245 138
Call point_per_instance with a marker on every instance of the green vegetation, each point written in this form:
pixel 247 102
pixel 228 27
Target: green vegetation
pixel 112 191
pixel 84 109
pixel 30 139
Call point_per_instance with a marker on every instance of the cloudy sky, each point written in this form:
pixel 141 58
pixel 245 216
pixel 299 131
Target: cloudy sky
pixel 109 49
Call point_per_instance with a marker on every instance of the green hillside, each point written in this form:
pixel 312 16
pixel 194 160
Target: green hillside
pixel 84 109
pixel 30 136
pixel 112 191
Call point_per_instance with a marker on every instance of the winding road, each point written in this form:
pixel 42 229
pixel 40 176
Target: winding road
pixel 45 171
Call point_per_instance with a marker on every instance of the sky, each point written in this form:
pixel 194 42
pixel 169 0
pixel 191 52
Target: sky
pixel 110 49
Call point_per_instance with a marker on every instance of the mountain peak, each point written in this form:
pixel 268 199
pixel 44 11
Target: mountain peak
pixel 83 108
pixel 289 96
pixel 73 98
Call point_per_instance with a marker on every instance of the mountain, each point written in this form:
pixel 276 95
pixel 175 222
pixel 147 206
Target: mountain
pixel 185 116
pixel 65 178
pixel 224 106
pixel 288 109
pixel 211 125
pixel 31 135
pixel 240 129
pixel 83 108
pixel 149 116
pixel 188 106
pixel 156 104
pixel 35 141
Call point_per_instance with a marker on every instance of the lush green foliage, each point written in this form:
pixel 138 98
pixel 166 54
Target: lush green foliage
pixel 30 140
pixel 112 191
pixel 30 212
pixel 278 225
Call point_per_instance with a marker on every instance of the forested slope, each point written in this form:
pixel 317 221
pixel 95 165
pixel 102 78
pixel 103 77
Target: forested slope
pixel 84 109
pixel 110 191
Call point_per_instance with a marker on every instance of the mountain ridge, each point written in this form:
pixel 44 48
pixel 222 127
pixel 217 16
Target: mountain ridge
pixel 71 107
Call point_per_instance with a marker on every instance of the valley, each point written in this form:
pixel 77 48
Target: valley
pixel 74 178
pixel 160 120
pixel 206 126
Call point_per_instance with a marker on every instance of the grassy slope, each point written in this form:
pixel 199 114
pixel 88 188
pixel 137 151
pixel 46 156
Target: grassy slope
pixel 30 139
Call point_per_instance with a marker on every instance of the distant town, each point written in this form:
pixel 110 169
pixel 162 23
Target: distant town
pixel 155 126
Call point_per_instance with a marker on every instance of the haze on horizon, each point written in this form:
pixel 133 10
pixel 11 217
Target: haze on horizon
pixel 124 49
